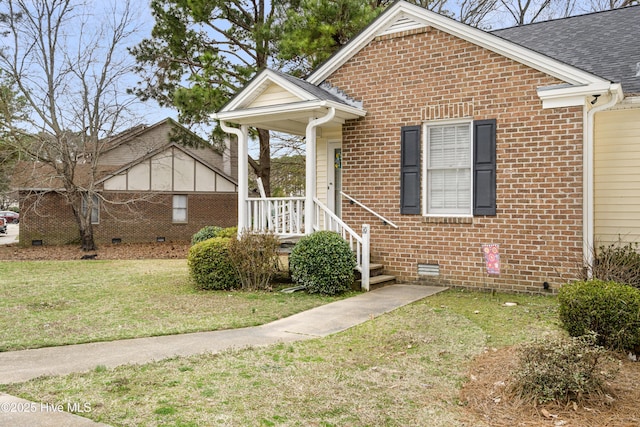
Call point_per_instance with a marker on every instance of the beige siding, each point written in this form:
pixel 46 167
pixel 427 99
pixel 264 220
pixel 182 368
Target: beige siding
pixel 617 176
pixel 146 142
pixel 171 170
pixel 205 178
pixel 274 95
pixel 161 172
pixel 321 170
pixel 183 172
pixel 139 177
pixel 322 166
pixel 117 183
pixel 223 185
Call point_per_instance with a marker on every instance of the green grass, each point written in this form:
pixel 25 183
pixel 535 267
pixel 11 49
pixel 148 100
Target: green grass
pixel 69 302
pixel 403 368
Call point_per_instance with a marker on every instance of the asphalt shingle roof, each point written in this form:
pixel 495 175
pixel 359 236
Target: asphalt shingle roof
pixel 606 44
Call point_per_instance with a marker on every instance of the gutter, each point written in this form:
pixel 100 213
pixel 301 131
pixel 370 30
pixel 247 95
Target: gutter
pixel 616 95
pixel 310 183
pixel 243 166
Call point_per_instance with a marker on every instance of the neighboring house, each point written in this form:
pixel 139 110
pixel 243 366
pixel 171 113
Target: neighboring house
pixel 150 188
pixel 445 138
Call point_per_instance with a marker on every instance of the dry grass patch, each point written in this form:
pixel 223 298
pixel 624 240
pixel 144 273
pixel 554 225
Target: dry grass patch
pixel 48 303
pixel 403 368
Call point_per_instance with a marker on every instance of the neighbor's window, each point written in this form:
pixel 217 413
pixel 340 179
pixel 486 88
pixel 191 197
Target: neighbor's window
pixel 448 169
pixel 95 208
pixel 180 208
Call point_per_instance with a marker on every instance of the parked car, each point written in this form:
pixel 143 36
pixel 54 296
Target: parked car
pixel 3 225
pixel 10 216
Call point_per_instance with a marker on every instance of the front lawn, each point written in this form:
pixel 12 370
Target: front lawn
pixel 48 303
pixel 405 368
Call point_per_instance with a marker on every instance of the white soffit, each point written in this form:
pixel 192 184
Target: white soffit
pixel 403 16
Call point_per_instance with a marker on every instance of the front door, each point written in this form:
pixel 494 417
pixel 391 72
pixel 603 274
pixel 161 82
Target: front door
pixel 334 177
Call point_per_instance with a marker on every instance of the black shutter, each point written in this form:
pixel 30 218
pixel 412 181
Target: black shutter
pixel 410 170
pixel 484 167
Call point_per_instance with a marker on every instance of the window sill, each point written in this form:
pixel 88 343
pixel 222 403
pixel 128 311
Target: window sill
pixel 448 219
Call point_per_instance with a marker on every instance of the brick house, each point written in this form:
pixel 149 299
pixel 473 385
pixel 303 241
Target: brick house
pixel 150 188
pixel 468 158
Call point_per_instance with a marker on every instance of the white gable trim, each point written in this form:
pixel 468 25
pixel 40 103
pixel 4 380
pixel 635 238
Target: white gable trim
pixel 400 13
pixel 260 83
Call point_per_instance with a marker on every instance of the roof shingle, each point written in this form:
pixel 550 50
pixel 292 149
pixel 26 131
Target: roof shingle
pixel 606 44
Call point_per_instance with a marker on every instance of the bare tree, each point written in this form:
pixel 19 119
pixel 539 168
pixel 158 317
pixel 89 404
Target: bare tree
pixel 68 61
pixel 598 5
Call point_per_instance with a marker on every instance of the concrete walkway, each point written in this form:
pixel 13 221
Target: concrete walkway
pixel 19 366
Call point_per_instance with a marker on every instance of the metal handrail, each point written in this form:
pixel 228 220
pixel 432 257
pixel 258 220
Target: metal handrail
pixel 385 220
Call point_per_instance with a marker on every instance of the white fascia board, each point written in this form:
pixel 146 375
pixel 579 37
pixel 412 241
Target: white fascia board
pixel 249 92
pixel 473 35
pixel 572 96
pixel 294 107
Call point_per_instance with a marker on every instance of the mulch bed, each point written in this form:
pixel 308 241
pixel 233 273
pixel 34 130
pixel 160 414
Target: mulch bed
pixel 164 250
pixel 485 398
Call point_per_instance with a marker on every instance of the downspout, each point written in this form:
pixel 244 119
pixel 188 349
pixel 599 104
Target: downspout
pixel 243 165
pixel 588 228
pixel 310 182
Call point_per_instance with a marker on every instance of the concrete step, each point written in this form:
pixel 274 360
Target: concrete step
pixel 376 282
pixel 374 270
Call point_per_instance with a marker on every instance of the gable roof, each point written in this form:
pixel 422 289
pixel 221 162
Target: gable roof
pixel 606 44
pixel 115 171
pixel 403 16
pixel 298 99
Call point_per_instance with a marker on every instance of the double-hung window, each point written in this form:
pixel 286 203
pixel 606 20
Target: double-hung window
pixel 95 208
pixel 448 169
pixel 180 208
pixel 458 172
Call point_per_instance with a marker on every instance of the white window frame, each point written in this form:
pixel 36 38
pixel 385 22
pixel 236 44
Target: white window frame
pixel 95 209
pixel 465 213
pixel 175 209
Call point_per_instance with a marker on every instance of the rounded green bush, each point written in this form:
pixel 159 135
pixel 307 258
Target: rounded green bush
pixel 211 231
pixel 210 267
pixel 609 309
pixel 323 263
pixel 205 233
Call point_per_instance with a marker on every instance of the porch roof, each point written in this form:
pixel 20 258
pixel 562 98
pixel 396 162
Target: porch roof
pixel 279 102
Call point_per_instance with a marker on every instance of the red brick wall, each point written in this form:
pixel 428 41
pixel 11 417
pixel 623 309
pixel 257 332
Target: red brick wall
pixel 48 218
pixel 418 76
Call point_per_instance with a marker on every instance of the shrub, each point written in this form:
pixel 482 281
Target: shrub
pixel 229 232
pixel 562 370
pixel 609 309
pixel 255 258
pixel 323 263
pixel 210 267
pixel 617 263
pixel 205 233
pixel 211 231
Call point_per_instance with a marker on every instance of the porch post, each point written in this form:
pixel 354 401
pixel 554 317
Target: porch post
pixel 243 170
pixel 310 169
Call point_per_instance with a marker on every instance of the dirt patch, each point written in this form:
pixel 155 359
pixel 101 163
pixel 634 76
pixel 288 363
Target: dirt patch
pixel 164 250
pixel 485 398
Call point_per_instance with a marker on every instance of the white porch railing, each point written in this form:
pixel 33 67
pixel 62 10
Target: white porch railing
pixel 284 216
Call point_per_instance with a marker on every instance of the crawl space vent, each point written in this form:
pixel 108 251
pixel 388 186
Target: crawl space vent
pixel 428 270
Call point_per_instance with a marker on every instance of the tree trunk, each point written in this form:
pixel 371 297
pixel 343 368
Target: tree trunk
pixel 87 240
